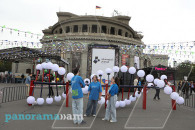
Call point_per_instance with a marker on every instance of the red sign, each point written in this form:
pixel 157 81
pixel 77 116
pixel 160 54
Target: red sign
pixel 163 69
pixel 125 60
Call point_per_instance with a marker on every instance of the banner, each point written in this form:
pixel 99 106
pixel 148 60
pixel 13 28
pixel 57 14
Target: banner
pixel 102 59
pixel 125 60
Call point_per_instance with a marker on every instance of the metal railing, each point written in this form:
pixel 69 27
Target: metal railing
pixel 9 94
pixel 190 101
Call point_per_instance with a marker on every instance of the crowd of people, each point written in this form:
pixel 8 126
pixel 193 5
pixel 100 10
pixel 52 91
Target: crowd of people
pixel 6 78
pixel 186 87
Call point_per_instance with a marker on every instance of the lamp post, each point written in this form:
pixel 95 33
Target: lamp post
pixel 132 71
pixel 108 72
pixel 100 74
pixel 49 67
pixel 123 70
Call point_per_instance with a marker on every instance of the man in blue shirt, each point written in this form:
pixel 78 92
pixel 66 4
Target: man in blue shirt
pixel 77 97
pixel 95 93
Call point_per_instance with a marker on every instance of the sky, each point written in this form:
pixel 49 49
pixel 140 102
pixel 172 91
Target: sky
pixel 160 21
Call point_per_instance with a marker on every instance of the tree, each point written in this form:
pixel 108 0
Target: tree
pixel 5 66
pixel 185 69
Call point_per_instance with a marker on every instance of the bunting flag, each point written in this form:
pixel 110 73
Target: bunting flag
pixel 98 7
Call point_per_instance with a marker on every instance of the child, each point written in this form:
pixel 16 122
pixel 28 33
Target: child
pixel 95 93
pixel 112 98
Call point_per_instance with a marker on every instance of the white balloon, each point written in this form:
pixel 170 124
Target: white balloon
pixel 87 81
pixel 57 98
pixel 44 64
pixel 108 71
pixel 117 104
pixel 40 101
pixel 150 85
pixel 39 67
pixel 122 103
pixel 128 102
pixel 160 83
pixel 149 78
pixel 64 95
pixel 48 65
pixel 137 94
pixel 174 95
pixel 132 70
pixel 163 77
pixel 100 72
pixel 141 73
pixel 70 76
pixel 102 101
pixel 30 100
pixel 61 71
pixel 180 100
pixel 49 100
pixel 124 68
pixel 85 90
pixel 132 98
pixel 167 90
pixel 155 81
pixel 55 67
pixel 115 69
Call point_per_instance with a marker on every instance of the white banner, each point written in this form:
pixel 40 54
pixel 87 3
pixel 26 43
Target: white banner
pixel 102 59
pixel 136 61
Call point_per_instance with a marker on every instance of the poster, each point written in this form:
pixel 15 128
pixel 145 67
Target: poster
pixel 125 60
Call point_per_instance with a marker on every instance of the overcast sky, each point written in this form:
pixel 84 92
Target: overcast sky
pixel 161 21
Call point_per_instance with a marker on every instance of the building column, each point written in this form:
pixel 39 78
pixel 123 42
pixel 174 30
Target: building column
pixel 83 65
pixel 89 28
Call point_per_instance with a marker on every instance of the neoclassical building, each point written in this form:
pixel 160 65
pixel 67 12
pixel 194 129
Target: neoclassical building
pixel 73 38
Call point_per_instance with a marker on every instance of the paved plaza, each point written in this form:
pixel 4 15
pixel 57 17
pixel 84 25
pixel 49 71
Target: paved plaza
pixel 158 115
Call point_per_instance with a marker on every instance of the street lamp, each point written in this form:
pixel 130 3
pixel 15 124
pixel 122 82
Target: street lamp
pixel 100 74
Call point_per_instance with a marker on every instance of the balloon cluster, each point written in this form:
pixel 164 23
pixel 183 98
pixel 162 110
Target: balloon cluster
pixel 55 68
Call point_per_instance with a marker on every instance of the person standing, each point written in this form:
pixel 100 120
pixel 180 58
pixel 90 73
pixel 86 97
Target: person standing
pixel 157 93
pixel 27 82
pixel 22 76
pixel 135 83
pixel 186 88
pixel 95 93
pixel 192 87
pixel 179 86
pixel 77 97
pixel 112 98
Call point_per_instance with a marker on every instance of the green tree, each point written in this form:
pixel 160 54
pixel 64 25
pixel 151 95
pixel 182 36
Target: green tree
pixel 183 69
pixel 5 66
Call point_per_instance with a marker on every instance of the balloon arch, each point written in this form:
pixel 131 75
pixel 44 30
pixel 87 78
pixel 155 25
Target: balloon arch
pixel 151 82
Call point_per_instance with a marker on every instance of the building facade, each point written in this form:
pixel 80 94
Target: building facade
pixel 74 36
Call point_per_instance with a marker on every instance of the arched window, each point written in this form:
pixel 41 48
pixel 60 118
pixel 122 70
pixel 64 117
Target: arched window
pixel 75 29
pixel 104 29
pixel 94 29
pixel 60 30
pixel 120 32
pixel 56 31
pixel 84 28
pixel 126 34
pixel 112 30
pixel 67 29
